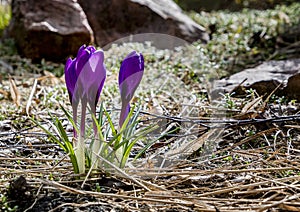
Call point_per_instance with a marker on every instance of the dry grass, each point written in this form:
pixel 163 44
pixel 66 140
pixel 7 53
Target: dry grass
pixel 219 159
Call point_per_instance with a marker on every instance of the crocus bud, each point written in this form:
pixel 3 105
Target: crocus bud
pixel 130 76
pixel 85 75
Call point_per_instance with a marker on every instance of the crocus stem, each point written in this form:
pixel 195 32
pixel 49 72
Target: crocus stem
pixel 74 107
pixel 124 114
pixel 93 110
pixel 96 144
pixel 80 154
pixel 80 148
pixel 83 115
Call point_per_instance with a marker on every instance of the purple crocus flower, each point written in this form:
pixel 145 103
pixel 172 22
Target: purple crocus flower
pixel 130 76
pixel 85 76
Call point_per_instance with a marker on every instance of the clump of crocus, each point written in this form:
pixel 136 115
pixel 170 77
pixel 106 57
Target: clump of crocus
pixel 130 76
pixel 85 76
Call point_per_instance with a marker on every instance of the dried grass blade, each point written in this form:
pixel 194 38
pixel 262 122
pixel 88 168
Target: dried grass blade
pixel 245 140
pixel 31 96
pixel 285 200
pixel 189 148
pixel 14 92
pixel 251 105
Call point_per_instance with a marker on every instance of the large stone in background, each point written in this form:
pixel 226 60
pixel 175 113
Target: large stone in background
pixel 115 19
pixel 50 29
pixel 55 29
pixel 264 79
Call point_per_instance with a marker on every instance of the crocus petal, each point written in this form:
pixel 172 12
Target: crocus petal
pixel 134 62
pixel 70 73
pixel 70 77
pixel 92 77
pixel 68 63
pixel 81 60
pixel 80 50
pixel 99 91
pixel 97 64
pixel 91 49
pixel 130 76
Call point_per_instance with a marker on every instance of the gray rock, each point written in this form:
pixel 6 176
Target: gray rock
pixel 264 79
pixel 115 19
pixel 50 29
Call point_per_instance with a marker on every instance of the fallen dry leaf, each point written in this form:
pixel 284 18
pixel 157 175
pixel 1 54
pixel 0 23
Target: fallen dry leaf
pixel 49 79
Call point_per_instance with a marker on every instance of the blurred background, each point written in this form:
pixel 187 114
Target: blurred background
pixel 232 5
pixel 242 33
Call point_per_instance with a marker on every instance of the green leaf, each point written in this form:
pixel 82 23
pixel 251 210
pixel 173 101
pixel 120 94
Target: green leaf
pixel 53 137
pixel 111 124
pixel 124 126
pixel 139 136
pixel 99 127
pixel 66 145
pixel 69 117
